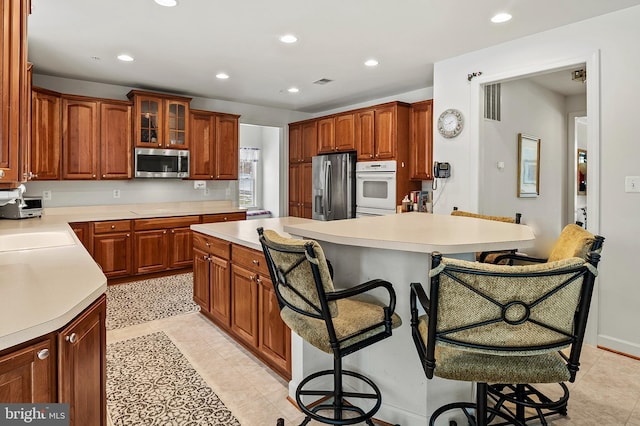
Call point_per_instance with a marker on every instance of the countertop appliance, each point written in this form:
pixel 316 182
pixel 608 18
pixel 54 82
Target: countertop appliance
pixel 376 188
pixel 334 186
pixel 161 163
pixel 22 208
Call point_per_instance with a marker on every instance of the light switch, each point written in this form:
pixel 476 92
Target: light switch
pixel 500 165
pixel 632 184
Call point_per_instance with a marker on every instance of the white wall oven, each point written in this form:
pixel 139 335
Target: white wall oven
pixel 375 188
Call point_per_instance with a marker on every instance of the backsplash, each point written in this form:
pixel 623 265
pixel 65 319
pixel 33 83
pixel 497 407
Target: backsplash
pixel 101 192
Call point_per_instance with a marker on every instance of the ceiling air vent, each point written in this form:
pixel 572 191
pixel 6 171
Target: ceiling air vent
pixel 492 101
pixel 322 81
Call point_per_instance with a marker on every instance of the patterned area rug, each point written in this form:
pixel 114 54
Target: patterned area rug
pixel 150 382
pixel 148 300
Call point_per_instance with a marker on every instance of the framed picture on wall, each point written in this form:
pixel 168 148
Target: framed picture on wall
pixel 528 166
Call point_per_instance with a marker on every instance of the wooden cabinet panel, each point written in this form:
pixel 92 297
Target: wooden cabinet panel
pixel 150 251
pixel 301 190
pixel 244 305
pixel 249 259
pixel 220 290
pixel 226 152
pixel 46 135
pixel 295 203
pixel 223 217
pixel 180 248
pixel 82 366
pixel 115 140
pixel 113 252
pixel 111 226
pixel 82 231
pixel 202 133
pixel 80 130
pixel 176 123
pixel 24 170
pixel 385 133
pixel 201 278
pixel 295 143
pixel 306 188
pixel 27 375
pixel 365 134
pixel 309 140
pixel 345 139
pixel 275 335
pixel 421 140
pixel 212 245
pixel 13 73
pixel 326 135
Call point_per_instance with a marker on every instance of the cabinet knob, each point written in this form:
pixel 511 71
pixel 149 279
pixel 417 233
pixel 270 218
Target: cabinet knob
pixel 94 176
pixel 207 243
pixel 1 173
pixel 72 338
pixel 173 231
pixel 164 232
pixel 256 261
pixel 205 257
pixel 104 176
pixel 370 155
pixel 225 218
pixel 43 354
pixel 113 227
pixel 258 280
pixel 128 235
pixel 159 144
pixel 211 176
pixel 252 278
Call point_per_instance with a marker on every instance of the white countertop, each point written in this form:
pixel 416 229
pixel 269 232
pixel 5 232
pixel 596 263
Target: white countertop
pixel 244 232
pixel 43 289
pixel 418 232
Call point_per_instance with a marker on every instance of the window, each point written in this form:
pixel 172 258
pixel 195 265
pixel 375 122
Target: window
pixel 248 177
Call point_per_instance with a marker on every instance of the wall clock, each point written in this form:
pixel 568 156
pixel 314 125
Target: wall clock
pixel 450 123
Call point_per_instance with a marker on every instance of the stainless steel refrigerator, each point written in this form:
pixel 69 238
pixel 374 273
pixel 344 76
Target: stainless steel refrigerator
pixel 334 186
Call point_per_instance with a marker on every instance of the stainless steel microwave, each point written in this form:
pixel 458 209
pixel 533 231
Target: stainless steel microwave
pixel 161 163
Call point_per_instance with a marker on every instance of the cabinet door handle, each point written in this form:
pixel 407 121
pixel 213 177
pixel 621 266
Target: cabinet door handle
pixel 72 338
pixel 43 354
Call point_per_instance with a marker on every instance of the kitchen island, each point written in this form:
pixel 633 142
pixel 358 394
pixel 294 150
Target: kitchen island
pixel 396 248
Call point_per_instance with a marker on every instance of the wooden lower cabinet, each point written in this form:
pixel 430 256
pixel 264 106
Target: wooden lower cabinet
pixel 81 229
pixel 244 305
pixel 232 286
pixel 82 366
pixel 112 247
pixel 150 251
pixel 27 375
pixel 67 366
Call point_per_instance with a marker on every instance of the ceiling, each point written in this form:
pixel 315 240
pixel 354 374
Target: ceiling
pixel 181 49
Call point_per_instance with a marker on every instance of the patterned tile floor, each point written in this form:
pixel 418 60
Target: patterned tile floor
pixel 606 392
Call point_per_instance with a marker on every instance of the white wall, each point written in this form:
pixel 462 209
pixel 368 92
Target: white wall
pixel 534 111
pixel 609 40
pixel 66 193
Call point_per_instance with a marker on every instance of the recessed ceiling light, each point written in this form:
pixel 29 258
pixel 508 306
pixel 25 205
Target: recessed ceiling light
pixel 293 90
pixel 500 18
pixel 125 58
pixel 371 63
pixel 222 76
pixel 288 38
pixel 167 3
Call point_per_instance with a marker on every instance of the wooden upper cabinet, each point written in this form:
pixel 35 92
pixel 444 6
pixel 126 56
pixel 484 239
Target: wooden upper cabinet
pixel 80 131
pixel 13 73
pixel 115 140
pixel 46 135
pixel 226 147
pixel 326 135
pixel 202 149
pixel 345 138
pixel 365 134
pixel 160 120
pixel 25 172
pixel 295 143
pixel 309 140
pixel 385 133
pixel 421 140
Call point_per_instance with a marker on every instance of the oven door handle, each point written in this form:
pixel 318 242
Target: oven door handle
pixel 376 176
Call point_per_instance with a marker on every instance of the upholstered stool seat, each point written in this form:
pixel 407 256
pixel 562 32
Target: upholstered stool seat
pixel 487 323
pixel 338 322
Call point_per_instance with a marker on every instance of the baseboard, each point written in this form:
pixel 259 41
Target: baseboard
pixel 618 346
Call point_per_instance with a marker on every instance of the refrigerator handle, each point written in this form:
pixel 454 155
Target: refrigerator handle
pixel 327 188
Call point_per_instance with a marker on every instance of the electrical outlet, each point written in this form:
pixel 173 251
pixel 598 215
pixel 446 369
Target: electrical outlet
pixel 116 193
pixel 199 184
pixel 46 195
pixel 632 184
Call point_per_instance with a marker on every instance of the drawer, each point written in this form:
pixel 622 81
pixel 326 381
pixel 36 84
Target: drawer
pixel 165 222
pixel 250 259
pixel 212 245
pixel 111 226
pixel 223 217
